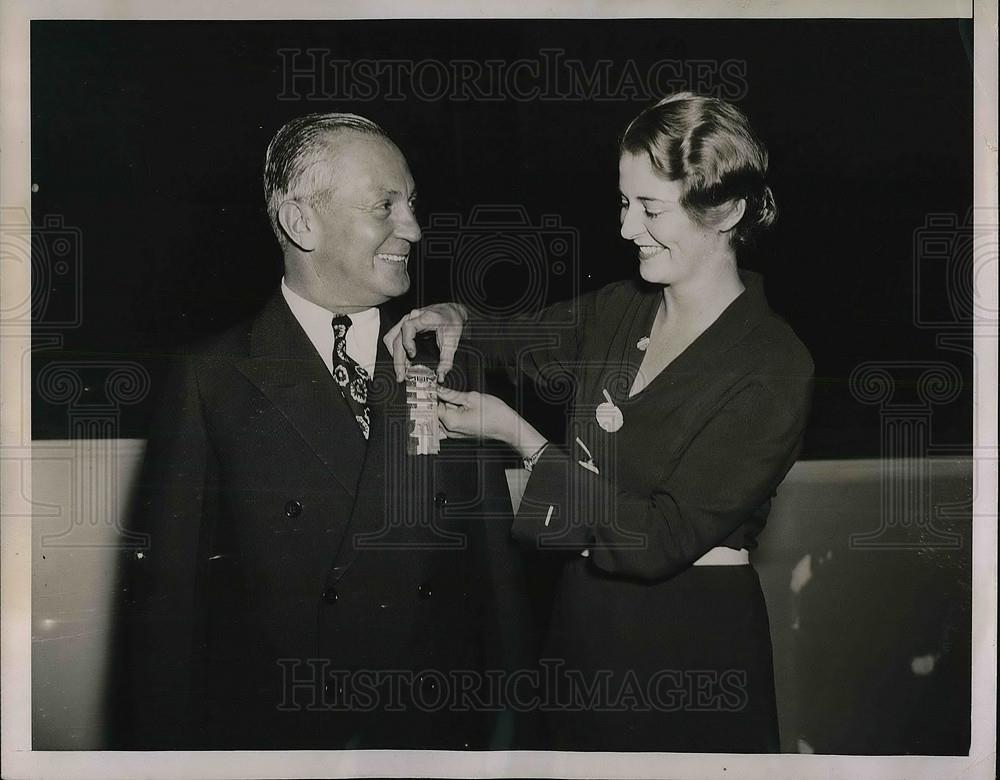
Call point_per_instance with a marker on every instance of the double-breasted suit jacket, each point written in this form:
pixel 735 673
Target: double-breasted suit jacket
pixel 302 587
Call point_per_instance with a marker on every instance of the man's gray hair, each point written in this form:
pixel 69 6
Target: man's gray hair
pixel 297 165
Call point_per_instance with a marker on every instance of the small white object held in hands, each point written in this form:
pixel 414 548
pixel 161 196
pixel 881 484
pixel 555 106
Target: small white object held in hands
pixel 421 401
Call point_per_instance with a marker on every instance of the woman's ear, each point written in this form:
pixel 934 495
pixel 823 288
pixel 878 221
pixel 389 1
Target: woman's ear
pixel 731 218
pixel 297 223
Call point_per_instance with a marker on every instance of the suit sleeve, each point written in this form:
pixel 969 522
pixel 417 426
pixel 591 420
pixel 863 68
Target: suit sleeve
pixel 729 468
pixel 174 511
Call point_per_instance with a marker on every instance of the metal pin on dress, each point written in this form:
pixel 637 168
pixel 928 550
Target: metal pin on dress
pixel 589 462
pixel 609 416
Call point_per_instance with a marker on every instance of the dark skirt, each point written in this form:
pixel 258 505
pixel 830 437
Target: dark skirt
pixel 683 665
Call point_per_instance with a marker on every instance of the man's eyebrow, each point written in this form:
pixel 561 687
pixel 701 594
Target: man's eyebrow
pixel 395 192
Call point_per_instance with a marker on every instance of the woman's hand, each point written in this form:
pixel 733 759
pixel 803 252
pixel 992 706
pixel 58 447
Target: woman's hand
pixel 481 416
pixel 476 415
pixel 447 320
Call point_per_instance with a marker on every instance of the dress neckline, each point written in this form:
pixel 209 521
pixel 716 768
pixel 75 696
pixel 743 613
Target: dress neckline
pixel 731 324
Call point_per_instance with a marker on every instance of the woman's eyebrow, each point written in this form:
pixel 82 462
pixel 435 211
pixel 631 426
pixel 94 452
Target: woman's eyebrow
pixel 647 198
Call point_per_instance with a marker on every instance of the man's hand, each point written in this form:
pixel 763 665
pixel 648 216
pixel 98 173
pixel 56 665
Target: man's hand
pixel 447 320
pixel 482 416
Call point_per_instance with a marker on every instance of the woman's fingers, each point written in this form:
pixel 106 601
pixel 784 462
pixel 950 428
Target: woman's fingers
pixel 456 397
pixel 404 334
pixel 396 342
pixel 447 341
pixel 410 326
pixel 452 419
pixel 447 320
pixel 459 413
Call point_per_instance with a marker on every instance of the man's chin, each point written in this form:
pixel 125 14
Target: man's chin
pixel 398 286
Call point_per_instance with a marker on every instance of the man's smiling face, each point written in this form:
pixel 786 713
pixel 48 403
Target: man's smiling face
pixel 366 223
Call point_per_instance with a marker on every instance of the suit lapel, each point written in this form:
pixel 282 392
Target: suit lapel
pixel 284 366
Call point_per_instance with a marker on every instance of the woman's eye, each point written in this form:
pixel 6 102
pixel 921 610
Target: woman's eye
pixel 651 214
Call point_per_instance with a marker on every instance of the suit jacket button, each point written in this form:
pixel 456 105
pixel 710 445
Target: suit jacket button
pixel 440 499
pixel 330 595
pixel 424 590
pixel 293 509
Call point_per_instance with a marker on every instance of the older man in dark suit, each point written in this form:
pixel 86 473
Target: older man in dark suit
pixel 308 584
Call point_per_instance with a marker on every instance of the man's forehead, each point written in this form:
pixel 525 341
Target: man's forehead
pixel 369 163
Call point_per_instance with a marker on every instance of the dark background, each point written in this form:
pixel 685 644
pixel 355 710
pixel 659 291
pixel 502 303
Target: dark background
pixel 148 140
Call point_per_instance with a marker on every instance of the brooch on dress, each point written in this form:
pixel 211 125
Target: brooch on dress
pixel 609 416
pixel 642 344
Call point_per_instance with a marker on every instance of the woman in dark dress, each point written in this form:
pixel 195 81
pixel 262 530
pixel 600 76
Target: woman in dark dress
pixel 690 402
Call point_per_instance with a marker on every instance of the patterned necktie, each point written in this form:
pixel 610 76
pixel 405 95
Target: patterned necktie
pixel 351 378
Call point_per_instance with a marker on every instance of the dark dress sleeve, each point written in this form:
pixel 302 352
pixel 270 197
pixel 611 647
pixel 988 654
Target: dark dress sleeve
pixel 728 469
pixel 544 347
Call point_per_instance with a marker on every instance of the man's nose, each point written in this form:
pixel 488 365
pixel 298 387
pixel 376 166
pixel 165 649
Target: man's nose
pixel 407 227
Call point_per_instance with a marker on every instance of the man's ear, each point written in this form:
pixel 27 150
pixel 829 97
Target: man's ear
pixel 732 217
pixel 298 224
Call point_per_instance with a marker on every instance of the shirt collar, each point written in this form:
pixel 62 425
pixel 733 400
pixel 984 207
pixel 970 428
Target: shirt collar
pixel 362 338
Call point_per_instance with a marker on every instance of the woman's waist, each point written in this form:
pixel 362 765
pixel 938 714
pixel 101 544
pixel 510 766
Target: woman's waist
pixel 724 556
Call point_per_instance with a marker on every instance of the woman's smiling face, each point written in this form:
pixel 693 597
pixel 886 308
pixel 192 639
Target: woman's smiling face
pixel 672 246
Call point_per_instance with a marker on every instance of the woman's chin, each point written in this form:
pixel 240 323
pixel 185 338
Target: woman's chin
pixel 653 273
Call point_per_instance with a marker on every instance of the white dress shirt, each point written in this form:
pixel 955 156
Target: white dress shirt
pixel 362 336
